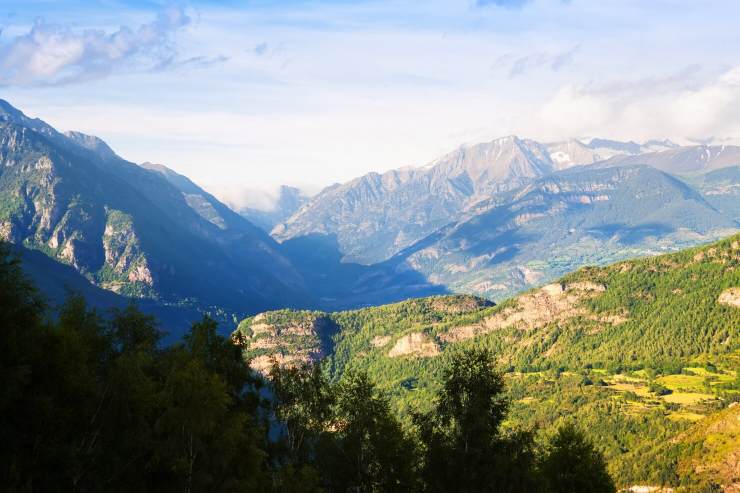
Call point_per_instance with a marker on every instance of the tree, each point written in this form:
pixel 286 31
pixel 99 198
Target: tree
pixel 302 402
pixel 206 436
pixel 573 465
pixel 464 447
pixel 369 452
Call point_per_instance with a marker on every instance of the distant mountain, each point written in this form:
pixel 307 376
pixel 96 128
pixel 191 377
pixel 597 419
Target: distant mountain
pixel 686 160
pixel 721 188
pixel 587 215
pixel 288 201
pixel 148 233
pixel 378 215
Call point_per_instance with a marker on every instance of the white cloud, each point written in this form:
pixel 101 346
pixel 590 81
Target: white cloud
pixel 676 107
pixel 51 54
pixel 317 93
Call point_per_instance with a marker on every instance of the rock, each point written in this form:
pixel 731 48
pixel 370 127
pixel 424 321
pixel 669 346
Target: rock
pixel 730 297
pixel 8 232
pixel 550 303
pixel 141 273
pixel 379 341
pixel 417 344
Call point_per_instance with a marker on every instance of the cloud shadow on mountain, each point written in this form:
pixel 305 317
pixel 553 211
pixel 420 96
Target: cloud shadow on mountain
pixel 344 285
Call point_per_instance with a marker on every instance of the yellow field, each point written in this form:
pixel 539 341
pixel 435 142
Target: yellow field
pixel 687 398
pixel 682 382
pixel 640 390
pixel 685 416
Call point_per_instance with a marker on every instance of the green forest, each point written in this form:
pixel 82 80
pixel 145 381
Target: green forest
pixel 639 361
pixel 94 402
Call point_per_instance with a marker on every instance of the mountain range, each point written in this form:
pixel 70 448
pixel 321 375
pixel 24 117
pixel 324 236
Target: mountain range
pixel 495 218
pixel 489 219
pixel 377 215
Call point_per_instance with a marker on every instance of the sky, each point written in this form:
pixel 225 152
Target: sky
pixel 246 95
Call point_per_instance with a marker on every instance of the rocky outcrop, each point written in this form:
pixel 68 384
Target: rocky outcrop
pixel 418 345
pixel 730 297
pixel 283 337
pixel 123 253
pixel 536 309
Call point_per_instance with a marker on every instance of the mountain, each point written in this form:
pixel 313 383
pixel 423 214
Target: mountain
pixel 377 215
pixel 686 160
pixel 642 354
pixel 287 202
pixel 587 215
pixel 57 281
pixel 135 231
pixel 721 188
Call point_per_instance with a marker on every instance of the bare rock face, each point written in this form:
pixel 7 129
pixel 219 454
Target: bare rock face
pixel 418 345
pixel 730 297
pixel 8 232
pixel 536 309
pixel 123 252
pixel 380 341
pixel 141 274
pixel 284 338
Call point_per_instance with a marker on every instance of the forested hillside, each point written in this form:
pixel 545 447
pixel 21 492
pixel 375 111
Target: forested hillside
pixel 94 402
pixel 637 351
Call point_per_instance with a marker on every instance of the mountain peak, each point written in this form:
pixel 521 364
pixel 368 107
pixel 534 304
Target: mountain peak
pixel 92 143
pixel 8 110
pixel 11 114
pixel 665 143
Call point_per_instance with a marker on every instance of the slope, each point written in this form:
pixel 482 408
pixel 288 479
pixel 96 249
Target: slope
pixel 581 216
pixel 128 229
pixel 635 352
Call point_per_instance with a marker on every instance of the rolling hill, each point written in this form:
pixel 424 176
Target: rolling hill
pixel 642 353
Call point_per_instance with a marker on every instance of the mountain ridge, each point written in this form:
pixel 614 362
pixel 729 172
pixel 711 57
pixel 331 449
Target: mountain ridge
pixel 378 214
pixel 117 223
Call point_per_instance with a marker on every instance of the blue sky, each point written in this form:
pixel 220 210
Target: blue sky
pixel 245 94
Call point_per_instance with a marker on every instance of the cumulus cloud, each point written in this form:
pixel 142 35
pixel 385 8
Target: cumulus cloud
pixel 674 105
pixel 51 54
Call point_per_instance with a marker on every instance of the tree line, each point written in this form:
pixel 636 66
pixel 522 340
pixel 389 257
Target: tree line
pixel 97 403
